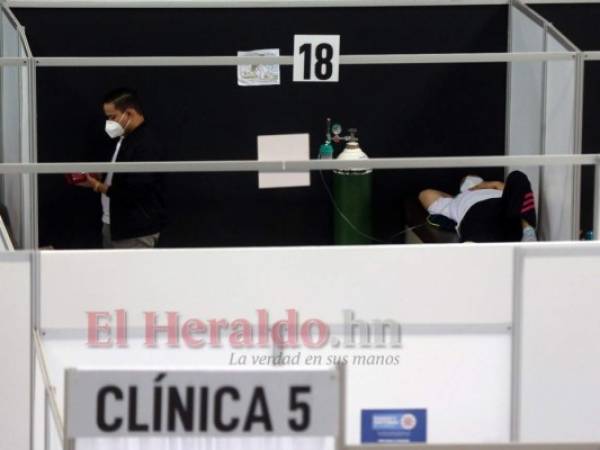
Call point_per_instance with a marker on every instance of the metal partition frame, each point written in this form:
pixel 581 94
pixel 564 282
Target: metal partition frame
pixel 550 31
pixel 577 121
pixel 28 207
pixel 585 57
pixel 520 253
pixel 301 166
pixel 263 3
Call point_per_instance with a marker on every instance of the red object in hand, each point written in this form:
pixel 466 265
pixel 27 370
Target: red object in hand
pixel 75 178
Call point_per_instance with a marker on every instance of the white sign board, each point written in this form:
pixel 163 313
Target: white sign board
pixel 316 57
pixel 105 403
pixel 283 147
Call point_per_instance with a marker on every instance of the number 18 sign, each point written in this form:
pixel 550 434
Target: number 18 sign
pixel 316 57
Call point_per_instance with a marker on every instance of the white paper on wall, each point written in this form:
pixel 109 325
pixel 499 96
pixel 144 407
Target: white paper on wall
pixel 259 74
pixel 283 147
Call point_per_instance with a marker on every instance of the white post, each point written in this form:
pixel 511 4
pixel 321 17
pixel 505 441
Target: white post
pixel 597 201
pixel 340 439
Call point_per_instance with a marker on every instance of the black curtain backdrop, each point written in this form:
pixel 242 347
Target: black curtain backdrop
pixel 580 24
pixel 201 113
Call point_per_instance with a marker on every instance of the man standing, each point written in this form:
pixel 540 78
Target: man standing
pixel 133 206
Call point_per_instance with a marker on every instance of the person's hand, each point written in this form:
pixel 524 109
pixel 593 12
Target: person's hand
pixel 498 185
pixel 94 184
pixel 89 183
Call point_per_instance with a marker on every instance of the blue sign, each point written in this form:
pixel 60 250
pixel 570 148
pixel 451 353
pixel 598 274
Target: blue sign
pixel 393 425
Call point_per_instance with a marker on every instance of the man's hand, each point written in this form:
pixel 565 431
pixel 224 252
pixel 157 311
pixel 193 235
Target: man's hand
pixel 498 185
pixel 94 184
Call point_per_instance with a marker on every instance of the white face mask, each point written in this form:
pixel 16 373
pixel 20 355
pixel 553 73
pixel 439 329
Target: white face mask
pixel 469 182
pixel 114 129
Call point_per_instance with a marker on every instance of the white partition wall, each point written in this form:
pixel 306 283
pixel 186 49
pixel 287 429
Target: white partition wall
pixel 560 354
pixel 557 209
pixel 16 126
pixel 458 359
pixel 15 351
pixel 10 187
pixel 456 346
pixel 444 325
pixel 541 119
pixel 525 91
pixel 372 281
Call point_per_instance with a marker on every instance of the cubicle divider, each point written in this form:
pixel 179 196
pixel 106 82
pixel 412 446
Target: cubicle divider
pixel 559 209
pixel 557 322
pixel 543 117
pixel 525 93
pixel 16 281
pixel 410 286
pixel 17 191
pixel 474 340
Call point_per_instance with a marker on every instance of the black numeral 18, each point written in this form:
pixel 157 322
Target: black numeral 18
pixel 323 66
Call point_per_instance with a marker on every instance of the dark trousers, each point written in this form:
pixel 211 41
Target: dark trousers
pixel 500 219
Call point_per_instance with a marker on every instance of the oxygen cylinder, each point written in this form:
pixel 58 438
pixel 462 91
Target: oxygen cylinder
pixel 352 193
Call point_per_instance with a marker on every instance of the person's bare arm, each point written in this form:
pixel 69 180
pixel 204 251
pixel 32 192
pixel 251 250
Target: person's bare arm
pixel 498 185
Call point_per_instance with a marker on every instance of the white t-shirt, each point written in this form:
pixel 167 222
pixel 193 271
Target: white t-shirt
pixel 456 207
pixel 108 181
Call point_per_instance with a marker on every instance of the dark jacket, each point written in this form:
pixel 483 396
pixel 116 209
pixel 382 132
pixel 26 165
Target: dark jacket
pixel 137 204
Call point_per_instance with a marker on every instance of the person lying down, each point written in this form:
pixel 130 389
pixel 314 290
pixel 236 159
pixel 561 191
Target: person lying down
pixel 487 211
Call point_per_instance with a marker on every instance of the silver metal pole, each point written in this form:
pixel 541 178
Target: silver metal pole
pixel 301 166
pixel 20 30
pixel 543 114
pixel 544 93
pixel 530 13
pixel 579 88
pixel 277 354
pixel 427 58
pixel 13 61
pixel 33 154
pixel 49 388
pixel 509 69
pixel 340 440
pixel 46 422
pixel 597 201
pixel 245 3
pixel 592 56
pixel 32 348
pixel 515 382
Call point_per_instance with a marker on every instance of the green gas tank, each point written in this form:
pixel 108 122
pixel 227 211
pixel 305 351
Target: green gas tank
pixel 352 190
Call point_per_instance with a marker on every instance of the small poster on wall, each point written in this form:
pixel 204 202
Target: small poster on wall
pixel 393 425
pixel 283 147
pixel 259 74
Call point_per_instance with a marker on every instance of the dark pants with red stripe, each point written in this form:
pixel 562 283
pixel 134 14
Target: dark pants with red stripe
pixel 499 219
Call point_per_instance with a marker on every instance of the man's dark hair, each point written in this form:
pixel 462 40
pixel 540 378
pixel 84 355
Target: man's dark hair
pixel 124 98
